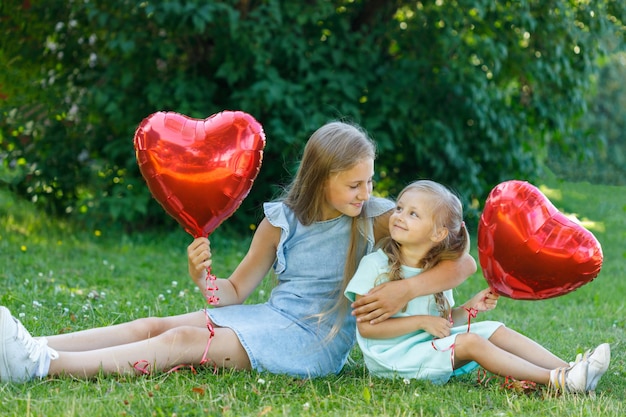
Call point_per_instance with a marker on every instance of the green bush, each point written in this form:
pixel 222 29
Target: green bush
pixel 600 152
pixel 469 93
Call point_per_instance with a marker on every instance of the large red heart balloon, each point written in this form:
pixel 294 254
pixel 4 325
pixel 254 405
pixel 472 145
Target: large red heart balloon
pixel 528 250
pixel 199 170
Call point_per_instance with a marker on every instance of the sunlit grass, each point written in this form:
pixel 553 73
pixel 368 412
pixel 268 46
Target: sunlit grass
pixel 59 278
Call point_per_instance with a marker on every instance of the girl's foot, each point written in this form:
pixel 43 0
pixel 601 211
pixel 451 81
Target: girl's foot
pixel 598 359
pixel 22 357
pixel 570 379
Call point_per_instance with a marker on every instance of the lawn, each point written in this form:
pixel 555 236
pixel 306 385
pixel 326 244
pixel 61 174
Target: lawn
pixel 58 278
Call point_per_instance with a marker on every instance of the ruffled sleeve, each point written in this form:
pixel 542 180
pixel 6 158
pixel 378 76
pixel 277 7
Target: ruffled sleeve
pixel 281 216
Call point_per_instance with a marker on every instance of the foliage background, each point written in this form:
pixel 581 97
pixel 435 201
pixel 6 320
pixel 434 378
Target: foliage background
pixel 467 92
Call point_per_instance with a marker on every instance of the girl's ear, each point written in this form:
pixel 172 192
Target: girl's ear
pixel 439 234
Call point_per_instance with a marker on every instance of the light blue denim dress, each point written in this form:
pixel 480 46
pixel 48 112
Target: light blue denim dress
pixel 283 336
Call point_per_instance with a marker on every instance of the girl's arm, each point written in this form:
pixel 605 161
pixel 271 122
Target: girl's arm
pixel 387 299
pixel 398 326
pixel 485 300
pixel 247 276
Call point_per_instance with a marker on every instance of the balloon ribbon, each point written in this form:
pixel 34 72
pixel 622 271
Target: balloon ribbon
pixel 143 366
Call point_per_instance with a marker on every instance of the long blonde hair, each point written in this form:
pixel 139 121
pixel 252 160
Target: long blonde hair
pixel 447 211
pixel 335 147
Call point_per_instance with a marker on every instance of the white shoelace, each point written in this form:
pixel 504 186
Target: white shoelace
pixel 37 349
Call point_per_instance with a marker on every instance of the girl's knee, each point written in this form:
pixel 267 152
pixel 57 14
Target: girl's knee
pixel 148 327
pixel 469 341
pixel 468 345
pixel 185 335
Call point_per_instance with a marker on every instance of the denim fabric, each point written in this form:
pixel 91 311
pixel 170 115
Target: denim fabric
pixel 284 335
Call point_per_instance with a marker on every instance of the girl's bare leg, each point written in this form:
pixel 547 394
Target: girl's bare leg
pixel 120 334
pixel 526 360
pixel 526 348
pixel 179 346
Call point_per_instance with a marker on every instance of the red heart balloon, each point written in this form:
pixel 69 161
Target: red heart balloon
pixel 528 250
pixel 199 170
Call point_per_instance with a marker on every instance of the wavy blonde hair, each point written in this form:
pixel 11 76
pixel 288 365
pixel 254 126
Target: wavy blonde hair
pixel 335 147
pixel 447 211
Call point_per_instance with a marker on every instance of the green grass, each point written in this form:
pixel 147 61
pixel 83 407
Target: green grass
pixel 58 278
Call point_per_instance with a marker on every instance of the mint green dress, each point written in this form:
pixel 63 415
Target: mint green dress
pixel 417 355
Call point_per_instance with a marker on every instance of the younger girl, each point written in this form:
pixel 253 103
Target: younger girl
pixel 431 340
pixel 313 237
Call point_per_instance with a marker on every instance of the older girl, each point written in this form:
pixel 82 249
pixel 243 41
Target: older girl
pixel 313 238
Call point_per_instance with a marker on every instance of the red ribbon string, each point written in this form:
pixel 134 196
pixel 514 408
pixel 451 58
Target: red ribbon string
pixel 509 382
pixel 143 366
pixel 211 287
pixel 471 314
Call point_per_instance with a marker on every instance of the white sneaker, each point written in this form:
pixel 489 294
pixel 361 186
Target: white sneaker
pixel 598 359
pixel 22 357
pixel 570 379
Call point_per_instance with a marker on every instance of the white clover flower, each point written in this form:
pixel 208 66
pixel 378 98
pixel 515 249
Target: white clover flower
pixel 36 303
pixel 406 381
pixel 174 283
pixel 161 297
pixel 261 381
pixel 51 45
pixel 306 406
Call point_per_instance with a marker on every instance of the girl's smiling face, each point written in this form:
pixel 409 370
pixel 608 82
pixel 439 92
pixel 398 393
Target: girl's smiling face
pixel 346 191
pixel 411 224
